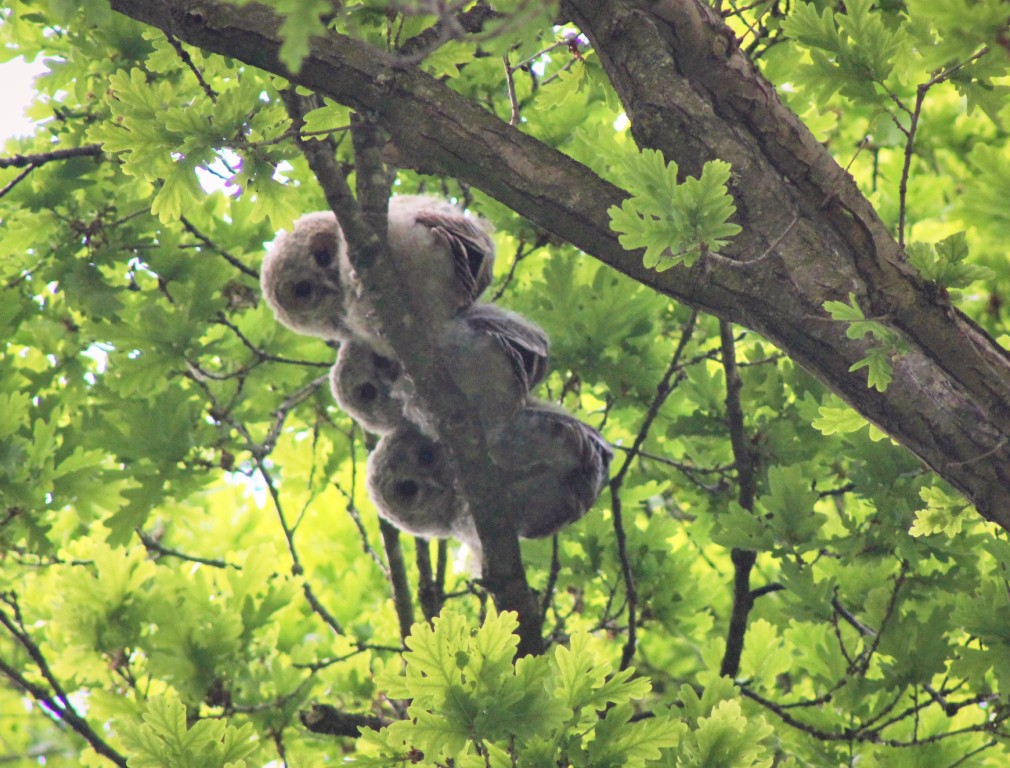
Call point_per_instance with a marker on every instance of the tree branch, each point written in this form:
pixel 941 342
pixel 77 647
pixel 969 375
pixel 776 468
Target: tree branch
pixel 692 93
pixel 398 577
pixel 697 97
pixel 663 389
pixel 322 718
pixel 746 474
pixel 41 158
pixel 55 699
pixel 429 592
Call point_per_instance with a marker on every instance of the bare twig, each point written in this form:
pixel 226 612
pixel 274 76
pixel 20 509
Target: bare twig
pixel 523 249
pixel 186 59
pixel 260 354
pixel 16 180
pixel 510 83
pixel 397 577
pixel 861 734
pixel 191 228
pixel 682 466
pixel 292 401
pixel 153 546
pixel 969 755
pixel 41 158
pixel 767 589
pixel 258 453
pixel 892 604
pixel 352 509
pixel 842 611
pixel 663 390
pixel 920 96
pixel 743 455
pixel 552 578
pixel 54 699
pixel 451 26
pixel 289 537
pixel 322 718
pixel 428 593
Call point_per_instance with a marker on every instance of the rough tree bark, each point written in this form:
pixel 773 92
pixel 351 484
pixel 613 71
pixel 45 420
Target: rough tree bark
pixel 809 235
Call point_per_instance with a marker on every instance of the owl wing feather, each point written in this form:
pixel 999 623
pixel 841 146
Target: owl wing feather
pixel 470 245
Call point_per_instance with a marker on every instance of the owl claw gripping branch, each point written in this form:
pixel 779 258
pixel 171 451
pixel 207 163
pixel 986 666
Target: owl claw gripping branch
pixel 554 464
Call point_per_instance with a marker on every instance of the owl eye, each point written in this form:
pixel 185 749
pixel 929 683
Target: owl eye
pixel 302 289
pixel 322 257
pixel 323 248
pixel 385 365
pixel 406 489
pixel 368 392
pixel 426 457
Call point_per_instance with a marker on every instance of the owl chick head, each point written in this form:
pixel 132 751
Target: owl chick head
pixel 301 277
pixel 362 383
pixel 412 484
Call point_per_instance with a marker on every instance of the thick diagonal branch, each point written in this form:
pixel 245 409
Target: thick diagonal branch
pixel 697 97
pixel 690 92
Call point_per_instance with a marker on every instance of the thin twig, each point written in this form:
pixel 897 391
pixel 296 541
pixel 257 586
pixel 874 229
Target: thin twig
pixel 969 755
pixel 521 253
pixel 153 546
pixel 920 96
pixel 258 453
pixel 352 508
pixel 511 85
pixel 427 592
pixel 41 158
pixel 191 228
pixel 280 415
pixel 263 356
pixel 186 59
pixel 397 577
pixel 563 43
pixel 450 26
pixel 55 699
pixel 663 390
pixel 296 565
pixel 851 619
pixel 892 604
pixel 858 734
pixel 552 578
pixel 907 164
pixel 687 469
pixel 743 455
pixel 767 589
pixel 16 180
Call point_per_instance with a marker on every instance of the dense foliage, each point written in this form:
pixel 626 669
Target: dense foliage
pixel 191 572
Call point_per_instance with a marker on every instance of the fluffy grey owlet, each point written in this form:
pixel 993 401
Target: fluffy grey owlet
pixel 445 257
pixel 362 383
pixel 413 486
pixel 554 465
pixel 495 357
pixel 301 277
